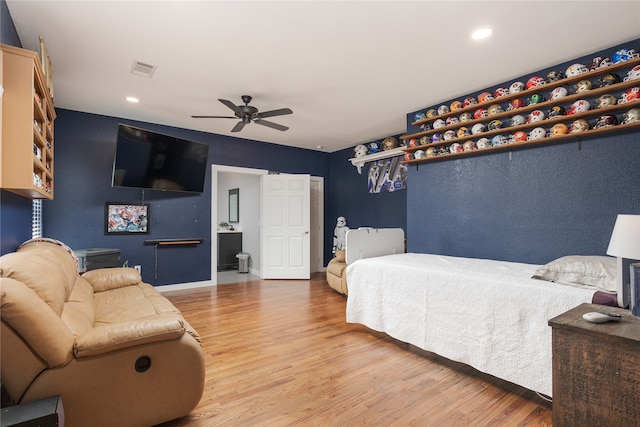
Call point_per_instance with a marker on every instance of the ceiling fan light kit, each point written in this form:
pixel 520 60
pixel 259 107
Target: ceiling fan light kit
pixel 248 113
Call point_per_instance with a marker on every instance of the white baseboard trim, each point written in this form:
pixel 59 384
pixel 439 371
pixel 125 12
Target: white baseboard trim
pixel 183 286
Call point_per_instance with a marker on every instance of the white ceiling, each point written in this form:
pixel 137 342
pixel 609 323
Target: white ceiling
pixel 350 71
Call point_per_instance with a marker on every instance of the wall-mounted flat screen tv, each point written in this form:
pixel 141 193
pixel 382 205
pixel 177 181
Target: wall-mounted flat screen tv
pixel 154 161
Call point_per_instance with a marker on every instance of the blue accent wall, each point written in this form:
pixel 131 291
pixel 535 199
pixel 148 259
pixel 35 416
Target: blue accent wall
pixel 532 205
pixel 84 151
pixel 350 197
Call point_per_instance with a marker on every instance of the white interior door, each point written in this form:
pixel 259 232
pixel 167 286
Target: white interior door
pixel 285 226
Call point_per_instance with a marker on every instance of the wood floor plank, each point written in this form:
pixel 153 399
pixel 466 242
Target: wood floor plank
pixel 279 353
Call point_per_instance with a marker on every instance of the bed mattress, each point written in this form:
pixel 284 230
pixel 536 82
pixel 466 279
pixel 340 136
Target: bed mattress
pixel 488 314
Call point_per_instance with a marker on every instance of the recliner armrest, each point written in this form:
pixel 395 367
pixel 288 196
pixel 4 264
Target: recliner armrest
pixel 104 279
pixel 116 336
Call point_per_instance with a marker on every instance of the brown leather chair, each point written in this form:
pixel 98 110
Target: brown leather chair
pixel 115 350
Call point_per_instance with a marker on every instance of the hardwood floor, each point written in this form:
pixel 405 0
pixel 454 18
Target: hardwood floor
pixel 279 353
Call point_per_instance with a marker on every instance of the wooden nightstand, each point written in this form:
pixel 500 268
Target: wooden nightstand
pixel 596 369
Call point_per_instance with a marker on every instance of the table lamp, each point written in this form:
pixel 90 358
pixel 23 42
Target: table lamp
pixel 625 245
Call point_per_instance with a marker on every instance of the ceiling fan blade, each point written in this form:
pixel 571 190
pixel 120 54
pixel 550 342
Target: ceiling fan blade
pixel 238 127
pixel 233 106
pixel 272 113
pixel 214 117
pixel 270 124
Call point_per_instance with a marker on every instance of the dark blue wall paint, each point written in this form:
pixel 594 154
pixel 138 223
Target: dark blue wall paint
pixel 537 205
pixel 8 33
pixel 350 198
pixel 85 147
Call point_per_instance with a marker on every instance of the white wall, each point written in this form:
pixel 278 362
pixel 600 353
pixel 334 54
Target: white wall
pixel 249 209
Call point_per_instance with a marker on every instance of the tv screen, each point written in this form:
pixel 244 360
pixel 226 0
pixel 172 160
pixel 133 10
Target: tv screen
pixel 151 160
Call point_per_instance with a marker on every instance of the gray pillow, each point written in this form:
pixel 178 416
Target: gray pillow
pixel 594 271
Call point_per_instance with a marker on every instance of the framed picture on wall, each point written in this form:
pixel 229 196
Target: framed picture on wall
pixel 126 218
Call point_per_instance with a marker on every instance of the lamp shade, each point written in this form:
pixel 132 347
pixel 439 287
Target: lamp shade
pixel 625 239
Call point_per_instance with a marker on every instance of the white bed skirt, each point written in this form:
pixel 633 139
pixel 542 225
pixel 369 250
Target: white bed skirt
pixel 488 314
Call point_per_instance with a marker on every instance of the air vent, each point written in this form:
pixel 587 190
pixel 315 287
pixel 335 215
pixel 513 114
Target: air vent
pixel 141 69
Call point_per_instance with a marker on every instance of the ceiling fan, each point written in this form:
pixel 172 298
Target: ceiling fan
pixel 247 114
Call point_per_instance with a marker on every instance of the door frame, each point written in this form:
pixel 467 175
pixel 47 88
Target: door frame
pixel 215 169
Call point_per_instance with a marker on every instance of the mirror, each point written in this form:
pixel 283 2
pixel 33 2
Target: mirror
pixel 234 205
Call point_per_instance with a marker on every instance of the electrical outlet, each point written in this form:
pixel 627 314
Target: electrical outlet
pixel 138 268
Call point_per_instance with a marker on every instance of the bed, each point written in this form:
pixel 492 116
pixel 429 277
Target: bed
pixel 491 315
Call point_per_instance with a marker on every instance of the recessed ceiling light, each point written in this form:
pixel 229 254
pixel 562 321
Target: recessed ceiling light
pixel 132 99
pixel 482 33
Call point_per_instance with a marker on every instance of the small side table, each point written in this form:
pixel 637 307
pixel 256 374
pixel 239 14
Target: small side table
pixel 47 412
pixel 596 369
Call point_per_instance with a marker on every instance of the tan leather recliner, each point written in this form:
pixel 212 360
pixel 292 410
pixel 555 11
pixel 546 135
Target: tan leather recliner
pixel 115 350
pixel 336 274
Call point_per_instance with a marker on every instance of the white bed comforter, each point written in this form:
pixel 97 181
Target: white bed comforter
pixel 488 314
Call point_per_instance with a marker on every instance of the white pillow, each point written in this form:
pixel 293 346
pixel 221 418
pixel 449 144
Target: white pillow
pixel 593 271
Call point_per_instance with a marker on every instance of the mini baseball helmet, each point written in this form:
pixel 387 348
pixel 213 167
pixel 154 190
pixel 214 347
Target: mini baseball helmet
pixel 535 81
pixel 516 87
pixel 485 97
pixel 554 76
pixel 605 121
pixel 606 100
pixel 389 143
pixel 631 116
pixel 579 125
pixel 608 80
pixel 537 133
pixel 455 105
pixel 580 106
pixel 558 129
pixel 582 86
pixel 576 70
